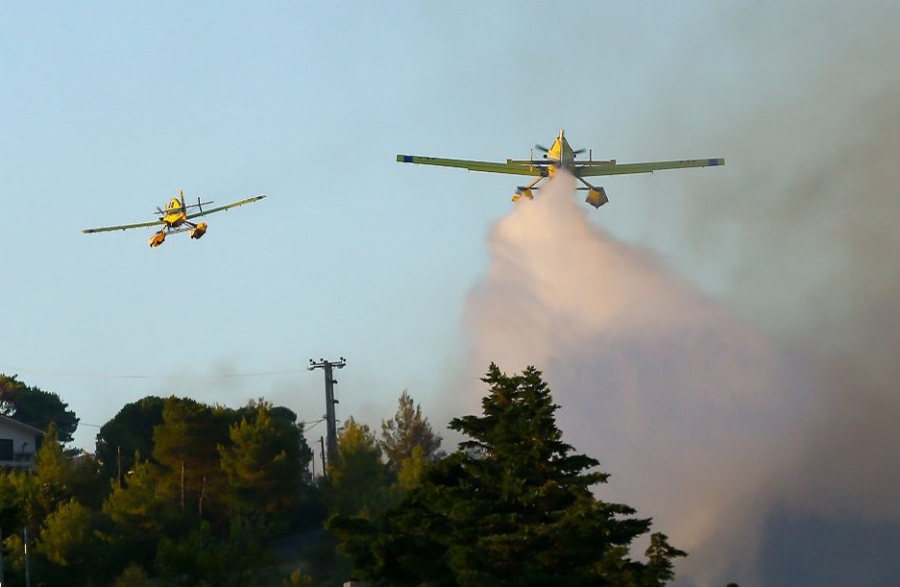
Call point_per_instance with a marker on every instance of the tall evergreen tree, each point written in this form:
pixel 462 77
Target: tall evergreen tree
pixel 357 478
pixel 128 436
pixel 139 517
pixel 265 462
pixel 406 431
pixel 660 555
pixel 512 507
pixel 53 474
pixel 69 550
pixel 186 444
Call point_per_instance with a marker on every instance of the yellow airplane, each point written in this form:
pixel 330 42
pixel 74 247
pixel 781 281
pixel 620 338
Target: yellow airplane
pixel 561 156
pixel 177 218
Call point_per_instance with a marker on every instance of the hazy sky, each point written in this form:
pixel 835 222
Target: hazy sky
pixel 744 315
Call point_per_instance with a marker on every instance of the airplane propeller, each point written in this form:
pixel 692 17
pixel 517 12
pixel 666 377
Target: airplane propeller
pixel 547 151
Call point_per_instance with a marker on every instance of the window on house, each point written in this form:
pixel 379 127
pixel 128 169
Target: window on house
pixel 6 449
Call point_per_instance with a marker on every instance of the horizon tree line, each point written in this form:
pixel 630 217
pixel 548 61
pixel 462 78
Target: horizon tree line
pixel 183 493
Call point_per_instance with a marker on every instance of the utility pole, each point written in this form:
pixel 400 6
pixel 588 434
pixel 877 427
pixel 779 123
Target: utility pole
pixel 329 366
pixel 27 563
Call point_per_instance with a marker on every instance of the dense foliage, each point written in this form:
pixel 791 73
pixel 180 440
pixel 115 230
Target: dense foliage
pixel 512 506
pixel 127 435
pixel 36 407
pixel 184 493
pixel 204 504
pixel 407 432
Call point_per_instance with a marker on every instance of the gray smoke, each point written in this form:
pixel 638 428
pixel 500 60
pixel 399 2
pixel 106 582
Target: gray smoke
pixel 758 424
pixel 816 265
pixel 804 236
pixel 802 231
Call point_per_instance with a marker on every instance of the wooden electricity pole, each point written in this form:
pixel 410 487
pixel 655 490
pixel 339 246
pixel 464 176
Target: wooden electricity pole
pixel 331 424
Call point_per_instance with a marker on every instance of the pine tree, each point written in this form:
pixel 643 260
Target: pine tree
pixel 68 546
pixel 264 463
pixel 659 560
pixel 139 516
pixel 128 437
pixel 357 478
pixel 512 507
pixel 53 473
pixel 405 432
pixel 186 444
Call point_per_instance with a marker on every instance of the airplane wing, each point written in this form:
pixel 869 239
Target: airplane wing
pixel 226 207
pixel 122 227
pixel 197 206
pixel 511 167
pixel 611 168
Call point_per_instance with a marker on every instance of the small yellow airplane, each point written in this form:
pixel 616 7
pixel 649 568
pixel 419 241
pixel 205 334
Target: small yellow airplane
pixel 177 218
pixel 561 156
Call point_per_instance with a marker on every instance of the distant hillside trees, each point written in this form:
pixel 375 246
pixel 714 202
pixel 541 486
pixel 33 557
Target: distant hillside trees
pixel 184 493
pixel 36 407
pixel 128 433
pixel 202 505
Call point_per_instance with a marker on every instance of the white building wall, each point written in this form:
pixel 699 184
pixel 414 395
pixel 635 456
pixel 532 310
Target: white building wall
pixel 24 442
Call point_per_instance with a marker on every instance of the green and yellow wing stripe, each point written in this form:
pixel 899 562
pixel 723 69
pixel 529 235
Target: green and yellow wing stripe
pixel 609 168
pixel 228 206
pixel 513 168
pixel 122 227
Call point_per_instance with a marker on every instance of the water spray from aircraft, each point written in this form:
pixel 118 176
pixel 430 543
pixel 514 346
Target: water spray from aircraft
pixel 690 409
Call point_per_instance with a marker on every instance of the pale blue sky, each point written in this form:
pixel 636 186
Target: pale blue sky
pixel 109 109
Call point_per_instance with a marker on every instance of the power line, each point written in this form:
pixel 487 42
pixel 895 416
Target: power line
pixel 312 424
pixel 100 375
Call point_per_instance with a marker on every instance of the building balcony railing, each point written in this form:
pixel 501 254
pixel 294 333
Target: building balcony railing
pixel 22 460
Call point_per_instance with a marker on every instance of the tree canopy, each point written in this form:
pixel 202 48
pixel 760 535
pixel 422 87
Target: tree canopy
pixel 407 430
pixel 204 494
pixel 358 479
pixel 187 445
pixel 512 506
pixel 36 407
pixel 264 462
pixel 128 433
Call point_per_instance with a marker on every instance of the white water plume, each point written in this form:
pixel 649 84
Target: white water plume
pixel 689 408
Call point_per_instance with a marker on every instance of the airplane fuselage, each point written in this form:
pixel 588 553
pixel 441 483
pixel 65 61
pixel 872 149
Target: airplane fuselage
pixel 561 154
pixel 175 215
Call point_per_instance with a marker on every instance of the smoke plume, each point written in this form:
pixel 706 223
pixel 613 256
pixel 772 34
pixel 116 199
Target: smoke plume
pixel 759 427
pixel 803 233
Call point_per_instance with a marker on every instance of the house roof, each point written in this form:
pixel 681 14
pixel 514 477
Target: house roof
pixel 13 423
